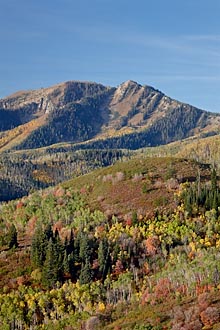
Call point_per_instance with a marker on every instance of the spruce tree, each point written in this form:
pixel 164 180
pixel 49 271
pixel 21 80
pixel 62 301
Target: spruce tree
pixel 12 237
pixel 85 250
pixel 214 180
pixel 86 273
pixel 51 269
pixel 104 257
pixel 38 247
pixel 66 266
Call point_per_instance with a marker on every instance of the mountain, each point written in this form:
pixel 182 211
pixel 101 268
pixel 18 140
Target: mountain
pixel 129 116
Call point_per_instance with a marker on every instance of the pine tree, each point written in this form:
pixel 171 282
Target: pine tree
pixel 38 247
pixel 51 269
pixel 86 273
pixel 104 257
pixel 85 250
pixel 77 242
pixel 12 237
pixel 71 261
pixel 214 180
pixel 66 266
pixel 134 218
pixel 69 244
pixel 48 232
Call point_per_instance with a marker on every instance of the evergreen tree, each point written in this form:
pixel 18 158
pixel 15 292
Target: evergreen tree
pixel 38 247
pixel 215 203
pixel 48 232
pixel 85 250
pixel 134 218
pixel 104 257
pixel 51 269
pixel 69 244
pixel 86 273
pixel 12 237
pixel 71 261
pixel 214 180
pixel 66 266
pixel 77 247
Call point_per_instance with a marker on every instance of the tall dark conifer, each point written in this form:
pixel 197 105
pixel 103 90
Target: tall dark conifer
pixel 104 257
pixel 12 237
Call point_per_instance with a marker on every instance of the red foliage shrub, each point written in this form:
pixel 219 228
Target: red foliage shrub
pixel 204 301
pixel 19 205
pixel 152 245
pixel 186 319
pixel 118 267
pixel 22 280
pixel 60 192
pixel 83 190
pixel 163 288
pixel 58 226
pixel 95 264
pixel 128 222
pixel 146 297
pixel 210 316
pixel 31 226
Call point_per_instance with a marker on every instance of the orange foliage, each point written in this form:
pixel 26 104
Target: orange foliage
pixel 152 244
pixel 19 205
pixel 118 267
pixel 58 226
pixel 163 288
pixel 31 226
pixel 60 192
pixel 210 316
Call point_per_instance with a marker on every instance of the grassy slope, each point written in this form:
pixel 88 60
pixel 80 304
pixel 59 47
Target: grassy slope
pixel 11 138
pixel 142 184
pixel 205 150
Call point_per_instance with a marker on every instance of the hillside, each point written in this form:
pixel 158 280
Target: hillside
pixel 141 184
pixel 105 250
pixel 203 149
pixel 130 116
pixel 26 171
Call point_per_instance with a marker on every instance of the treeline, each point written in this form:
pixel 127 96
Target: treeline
pixel 176 125
pixel 203 197
pixel 24 172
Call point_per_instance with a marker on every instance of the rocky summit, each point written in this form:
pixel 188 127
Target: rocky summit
pixel 128 116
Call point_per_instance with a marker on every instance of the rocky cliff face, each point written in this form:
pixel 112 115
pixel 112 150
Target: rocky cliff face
pixel 79 111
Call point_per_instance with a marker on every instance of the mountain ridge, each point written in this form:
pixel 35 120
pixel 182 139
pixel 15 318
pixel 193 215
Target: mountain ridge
pixel 76 111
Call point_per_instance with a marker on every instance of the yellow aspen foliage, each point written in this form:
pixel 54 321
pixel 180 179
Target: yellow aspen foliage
pixel 192 246
pixel 101 307
pixel 22 304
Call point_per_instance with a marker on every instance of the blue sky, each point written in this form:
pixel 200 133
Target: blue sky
pixel 172 45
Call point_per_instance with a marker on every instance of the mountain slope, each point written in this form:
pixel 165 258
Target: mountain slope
pixel 67 263
pixel 130 116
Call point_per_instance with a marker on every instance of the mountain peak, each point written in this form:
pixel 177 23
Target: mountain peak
pixel 78 111
pixel 130 82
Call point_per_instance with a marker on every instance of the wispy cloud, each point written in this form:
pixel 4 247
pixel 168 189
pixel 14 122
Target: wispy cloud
pixel 188 77
pixel 204 37
pixel 207 45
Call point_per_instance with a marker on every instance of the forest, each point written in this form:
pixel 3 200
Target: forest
pixel 68 261
pixel 26 171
